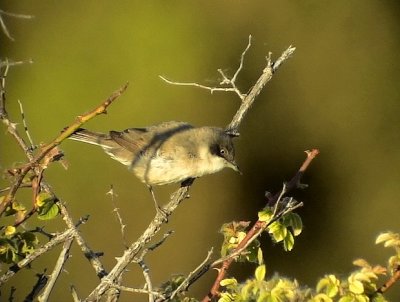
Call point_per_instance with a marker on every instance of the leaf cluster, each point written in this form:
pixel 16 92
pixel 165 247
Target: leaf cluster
pixel 16 245
pixel 360 285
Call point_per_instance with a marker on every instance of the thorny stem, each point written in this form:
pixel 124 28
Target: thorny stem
pixel 65 134
pixel 258 227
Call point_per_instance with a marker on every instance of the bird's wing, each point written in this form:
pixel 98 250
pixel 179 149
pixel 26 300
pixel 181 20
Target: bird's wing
pixel 143 139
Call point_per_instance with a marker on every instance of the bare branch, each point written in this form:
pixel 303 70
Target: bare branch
pixel 211 89
pixel 188 280
pixel 3 25
pixel 64 255
pixel 233 80
pixel 225 79
pixel 74 294
pixel 11 63
pixel 137 290
pixel 130 253
pixel 89 254
pixel 146 275
pixel 14 15
pixel 25 124
pixel 265 77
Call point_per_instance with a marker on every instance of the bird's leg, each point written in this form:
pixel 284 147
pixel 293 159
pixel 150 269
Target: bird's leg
pixel 158 208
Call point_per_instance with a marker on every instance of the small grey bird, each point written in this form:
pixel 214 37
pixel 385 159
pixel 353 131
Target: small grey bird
pixel 166 153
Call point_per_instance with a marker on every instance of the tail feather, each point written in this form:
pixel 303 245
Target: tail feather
pixel 86 136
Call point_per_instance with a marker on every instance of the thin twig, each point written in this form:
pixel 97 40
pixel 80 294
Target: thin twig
pixel 233 80
pixel 15 15
pixel 74 294
pixel 140 260
pixel 146 275
pixel 117 213
pixel 25 124
pixel 11 63
pixel 225 79
pixel 185 283
pixel 211 89
pixel 62 258
pixel 265 77
pixel 157 244
pixel 134 248
pixel 89 254
pixel 65 134
pixel 3 25
pixel 137 290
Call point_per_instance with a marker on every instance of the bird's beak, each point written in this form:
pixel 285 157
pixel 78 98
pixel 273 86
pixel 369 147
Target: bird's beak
pixel 235 167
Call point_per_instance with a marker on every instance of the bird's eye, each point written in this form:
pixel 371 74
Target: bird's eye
pixel 222 151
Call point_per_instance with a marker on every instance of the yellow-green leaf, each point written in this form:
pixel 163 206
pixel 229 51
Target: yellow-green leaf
pixel 260 256
pixel 321 298
pixel 265 215
pixel 328 285
pixel 43 198
pixel 288 242
pixel 260 272
pixel 293 220
pixel 356 287
pixel 228 282
pixel 278 231
pixel 9 230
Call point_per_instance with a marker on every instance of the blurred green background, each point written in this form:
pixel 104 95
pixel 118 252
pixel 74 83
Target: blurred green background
pixel 339 93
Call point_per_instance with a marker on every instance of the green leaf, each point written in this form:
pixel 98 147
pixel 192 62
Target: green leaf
pixel 278 231
pixel 43 198
pixel 8 251
pixel 260 272
pixel 49 211
pixel 265 215
pixel 293 220
pixel 29 241
pixel 288 243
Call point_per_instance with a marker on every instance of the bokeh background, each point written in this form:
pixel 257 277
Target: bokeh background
pixel 339 93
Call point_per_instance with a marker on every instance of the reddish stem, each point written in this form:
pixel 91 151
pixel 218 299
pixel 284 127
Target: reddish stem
pixel 292 184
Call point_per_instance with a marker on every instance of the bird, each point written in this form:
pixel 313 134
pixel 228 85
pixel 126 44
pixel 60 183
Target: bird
pixel 167 153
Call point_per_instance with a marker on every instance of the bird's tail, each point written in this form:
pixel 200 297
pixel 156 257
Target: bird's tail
pixel 89 137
